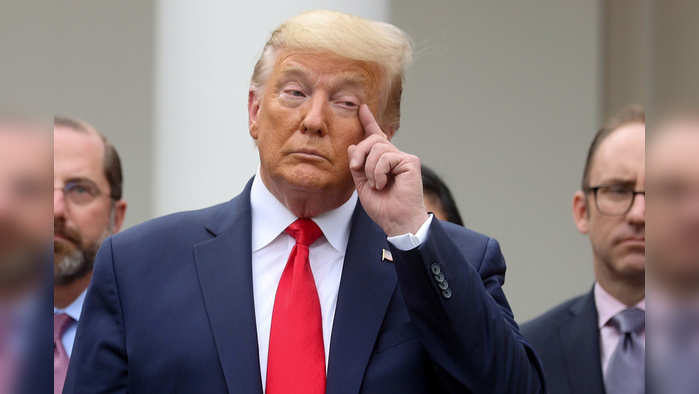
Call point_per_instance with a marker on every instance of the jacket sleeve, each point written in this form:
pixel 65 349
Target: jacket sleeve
pixel 99 362
pixel 463 317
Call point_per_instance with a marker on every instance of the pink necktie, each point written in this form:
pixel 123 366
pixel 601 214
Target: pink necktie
pixel 60 357
pixel 296 362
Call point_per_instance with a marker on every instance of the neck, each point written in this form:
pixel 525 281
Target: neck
pixel 64 295
pixel 305 203
pixel 629 290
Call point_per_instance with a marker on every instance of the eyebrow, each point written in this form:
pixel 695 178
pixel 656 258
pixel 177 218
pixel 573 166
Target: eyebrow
pixel 291 73
pixel 343 80
pixel 618 181
pixel 81 180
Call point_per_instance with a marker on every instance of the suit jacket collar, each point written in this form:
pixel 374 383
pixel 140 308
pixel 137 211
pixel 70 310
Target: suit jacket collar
pixel 224 270
pixel 581 348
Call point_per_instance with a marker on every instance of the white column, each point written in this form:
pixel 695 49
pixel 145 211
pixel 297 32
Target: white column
pixel 204 54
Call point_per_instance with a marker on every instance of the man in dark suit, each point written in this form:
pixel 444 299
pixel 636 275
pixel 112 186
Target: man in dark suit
pixel 595 343
pixel 326 274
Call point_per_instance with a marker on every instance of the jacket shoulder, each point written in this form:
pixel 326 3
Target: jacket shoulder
pixel 539 329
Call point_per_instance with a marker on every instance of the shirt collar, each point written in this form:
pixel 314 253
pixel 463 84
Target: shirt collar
pixel 270 218
pixel 608 306
pixel 73 310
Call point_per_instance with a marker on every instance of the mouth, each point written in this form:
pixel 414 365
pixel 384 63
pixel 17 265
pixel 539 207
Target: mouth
pixel 640 241
pixel 309 154
pixel 60 238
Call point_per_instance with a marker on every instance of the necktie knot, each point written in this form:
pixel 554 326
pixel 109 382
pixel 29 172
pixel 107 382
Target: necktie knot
pixel 305 231
pixel 630 320
pixel 60 324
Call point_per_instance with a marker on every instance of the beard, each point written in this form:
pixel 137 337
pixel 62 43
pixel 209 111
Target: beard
pixel 21 254
pixel 73 259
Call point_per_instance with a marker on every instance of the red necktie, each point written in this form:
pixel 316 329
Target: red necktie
pixel 296 359
pixel 60 356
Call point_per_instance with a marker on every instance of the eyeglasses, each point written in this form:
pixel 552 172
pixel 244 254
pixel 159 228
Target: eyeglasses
pixel 80 192
pixel 614 200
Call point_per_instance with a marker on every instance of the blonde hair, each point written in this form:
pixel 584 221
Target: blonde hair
pixel 348 36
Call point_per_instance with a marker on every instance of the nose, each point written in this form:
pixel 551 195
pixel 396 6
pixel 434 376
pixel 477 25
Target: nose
pixel 59 203
pixel 314 121
pixel 637 213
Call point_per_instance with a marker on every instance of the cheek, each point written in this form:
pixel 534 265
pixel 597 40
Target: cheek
pixel 276 125
pixel 346 132
pixel 92 223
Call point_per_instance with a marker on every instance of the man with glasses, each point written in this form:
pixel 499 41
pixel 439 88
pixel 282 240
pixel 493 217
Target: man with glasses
pixel 87 207
pixel 595 343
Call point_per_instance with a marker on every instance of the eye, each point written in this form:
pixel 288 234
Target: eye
pixel 347 103
pixel 294 93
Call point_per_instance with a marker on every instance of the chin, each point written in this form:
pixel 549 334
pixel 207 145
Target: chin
pixel 307 177
pixel 632 265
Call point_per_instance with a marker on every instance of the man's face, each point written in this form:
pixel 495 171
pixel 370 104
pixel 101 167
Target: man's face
pixel 25 179
pixel 82 210
pixel 618 241
pixel 673 205
pixel 308 116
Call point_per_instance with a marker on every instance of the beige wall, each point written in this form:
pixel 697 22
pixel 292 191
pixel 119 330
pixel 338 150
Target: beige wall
pixel 502 101
pixel 92 60
pixel 675 50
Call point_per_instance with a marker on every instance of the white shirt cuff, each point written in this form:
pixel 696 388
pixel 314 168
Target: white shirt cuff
pixel 410 241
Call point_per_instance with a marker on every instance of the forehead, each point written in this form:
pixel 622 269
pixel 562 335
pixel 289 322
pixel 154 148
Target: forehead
pixel 77 154
pixel 673 153
pixel 328 67
pixel 620 156
pixel 25 152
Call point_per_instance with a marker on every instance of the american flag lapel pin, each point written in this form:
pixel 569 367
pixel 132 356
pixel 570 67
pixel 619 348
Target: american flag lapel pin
pixel 386 255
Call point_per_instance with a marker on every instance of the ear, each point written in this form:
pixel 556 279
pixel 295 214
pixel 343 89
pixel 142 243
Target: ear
pixel 253 110
pixel 119 215
pixel 581 214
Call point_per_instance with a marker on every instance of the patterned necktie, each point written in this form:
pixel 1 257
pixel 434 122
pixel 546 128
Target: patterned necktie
pixel 60 357
pixel 296 359
pixel 626 370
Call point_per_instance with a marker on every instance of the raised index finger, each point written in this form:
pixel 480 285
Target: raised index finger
pixel 369 122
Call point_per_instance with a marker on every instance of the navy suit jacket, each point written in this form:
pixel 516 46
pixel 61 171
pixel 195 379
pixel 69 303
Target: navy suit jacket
pixel 567 339
pixel 170 310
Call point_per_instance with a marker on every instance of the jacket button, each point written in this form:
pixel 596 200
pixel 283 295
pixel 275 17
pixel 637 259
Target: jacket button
pixel 446 293
pixel 435 269
pixel 439 277
pixel 443 285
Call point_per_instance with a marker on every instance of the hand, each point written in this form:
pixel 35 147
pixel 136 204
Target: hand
pixel 388 181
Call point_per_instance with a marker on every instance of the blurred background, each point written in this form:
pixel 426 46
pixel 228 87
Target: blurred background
pixel 502 101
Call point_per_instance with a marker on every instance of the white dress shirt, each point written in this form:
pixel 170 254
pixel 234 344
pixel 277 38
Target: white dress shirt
pixel 73 310
pixel 271 247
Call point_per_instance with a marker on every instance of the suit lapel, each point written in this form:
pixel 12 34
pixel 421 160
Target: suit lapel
pixel 365 290
pixel 224 268
pixel 580 339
